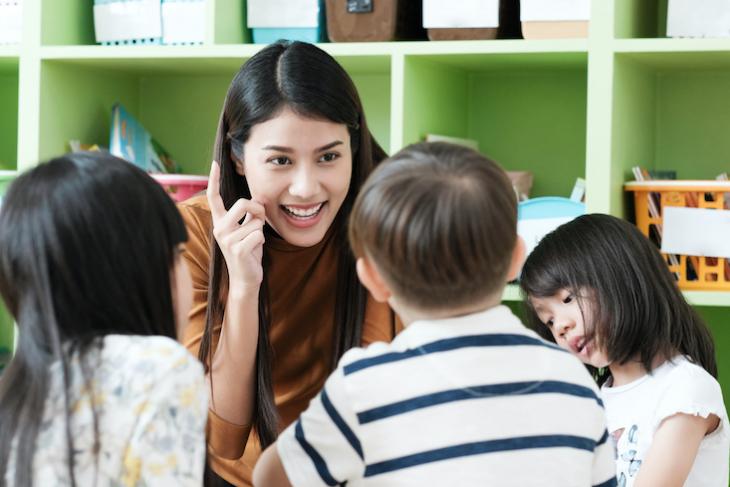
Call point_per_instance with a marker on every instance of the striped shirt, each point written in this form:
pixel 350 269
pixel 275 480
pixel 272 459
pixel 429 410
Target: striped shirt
pixel 472 400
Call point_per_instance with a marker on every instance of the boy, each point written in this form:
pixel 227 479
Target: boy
pixel 465 395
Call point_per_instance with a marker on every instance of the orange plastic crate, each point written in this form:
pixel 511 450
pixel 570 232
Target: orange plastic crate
pixel 711 273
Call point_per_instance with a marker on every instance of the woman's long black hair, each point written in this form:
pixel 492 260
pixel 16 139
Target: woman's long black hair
pixel 87 244
pixel 308 81
pixel 634 306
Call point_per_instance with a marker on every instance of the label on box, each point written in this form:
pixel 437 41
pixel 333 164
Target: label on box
pixel 132 19
pixel 692 18
pixel 359 6
pixel 183 22
pixel 555 10
pixel 696 231
pixel 272 14
pixel 471 14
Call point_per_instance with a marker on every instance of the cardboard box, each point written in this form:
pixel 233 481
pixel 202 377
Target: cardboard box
pixel 447 20
pixel 555 19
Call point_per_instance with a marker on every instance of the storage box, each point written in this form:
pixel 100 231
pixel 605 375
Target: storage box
pixel 447 20
pixel 294 20
pixel 373 20
pixel 698 18
pixel 537 217
pixel 10 22
pixel 181 186
pixel 555 19
pixel 183 22
pixel 128 22
pixel 651 201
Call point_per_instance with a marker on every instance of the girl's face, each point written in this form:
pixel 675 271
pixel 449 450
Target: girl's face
pixel 299 168
pixel 563 316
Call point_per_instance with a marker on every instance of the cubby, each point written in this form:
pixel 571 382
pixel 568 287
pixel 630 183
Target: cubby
pixel 8 108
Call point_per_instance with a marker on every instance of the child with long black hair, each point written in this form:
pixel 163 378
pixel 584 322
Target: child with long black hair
pixel 600 289
pixel 98 392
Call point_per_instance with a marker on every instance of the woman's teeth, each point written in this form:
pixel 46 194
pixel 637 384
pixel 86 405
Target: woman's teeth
pixel 303 212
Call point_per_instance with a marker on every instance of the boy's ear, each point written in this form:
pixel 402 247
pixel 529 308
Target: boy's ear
pixel 238 165
pixel 372 280
pixel 518 259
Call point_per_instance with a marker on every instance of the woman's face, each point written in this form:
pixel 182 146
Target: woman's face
pixel 299 169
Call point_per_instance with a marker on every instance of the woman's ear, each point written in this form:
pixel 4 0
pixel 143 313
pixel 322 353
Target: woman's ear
pixel 518 260
pixel 372 280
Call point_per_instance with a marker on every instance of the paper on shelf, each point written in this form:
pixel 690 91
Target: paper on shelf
pixel 121 21
pixel 444 14
pixel 555 10
pixel 696 231
pixel 283 13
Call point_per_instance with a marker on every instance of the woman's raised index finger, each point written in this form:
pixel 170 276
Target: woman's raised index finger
pixel 217 208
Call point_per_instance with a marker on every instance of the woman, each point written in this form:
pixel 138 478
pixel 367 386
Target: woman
pixel 276 299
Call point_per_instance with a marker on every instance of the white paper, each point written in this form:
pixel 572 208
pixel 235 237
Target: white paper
pixel 534 229
pixel 183 22
pixel 283 13
pixel 698 18
pixel 133 19
pixel 445 14
pixel 556 10
pixel 10 22
pixel 696 231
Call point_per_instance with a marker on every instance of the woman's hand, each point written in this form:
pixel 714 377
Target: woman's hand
pixel 241 243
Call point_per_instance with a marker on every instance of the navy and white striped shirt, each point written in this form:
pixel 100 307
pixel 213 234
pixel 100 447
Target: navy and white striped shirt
pixel 473 400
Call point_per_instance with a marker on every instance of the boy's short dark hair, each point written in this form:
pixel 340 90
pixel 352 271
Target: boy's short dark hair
pixel 440 223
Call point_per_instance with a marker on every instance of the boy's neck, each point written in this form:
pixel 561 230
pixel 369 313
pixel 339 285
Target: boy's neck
pixel 410 314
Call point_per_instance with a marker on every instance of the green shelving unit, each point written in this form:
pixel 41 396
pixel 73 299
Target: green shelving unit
pixel 562 109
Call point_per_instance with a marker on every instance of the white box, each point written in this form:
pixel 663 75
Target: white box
pixel 183 21
pixel 10 22
pixel 128 20
pixel 275 14
pixel 698 18
pixel 555 19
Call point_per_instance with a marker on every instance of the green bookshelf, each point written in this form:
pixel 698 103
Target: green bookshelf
pixel 562 109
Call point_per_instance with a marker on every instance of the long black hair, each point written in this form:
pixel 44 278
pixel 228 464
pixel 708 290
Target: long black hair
pixel 308 81
pixel 633 304
pixel 87 244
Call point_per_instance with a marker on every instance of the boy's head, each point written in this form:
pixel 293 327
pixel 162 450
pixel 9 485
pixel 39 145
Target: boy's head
pixel 435 226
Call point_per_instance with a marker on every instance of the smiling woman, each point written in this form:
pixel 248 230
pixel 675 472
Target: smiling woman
pixel 272 271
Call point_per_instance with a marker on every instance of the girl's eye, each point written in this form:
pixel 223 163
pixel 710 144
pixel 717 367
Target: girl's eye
pixel 568 299
pixel 280 161
pixel 329 157
pixel 549 323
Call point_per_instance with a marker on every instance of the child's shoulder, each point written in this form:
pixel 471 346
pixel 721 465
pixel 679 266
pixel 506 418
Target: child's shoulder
pixel 682 373
pixel 688 388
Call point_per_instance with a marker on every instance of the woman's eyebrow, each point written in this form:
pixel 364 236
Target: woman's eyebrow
pixel 329 146
pixel 278 148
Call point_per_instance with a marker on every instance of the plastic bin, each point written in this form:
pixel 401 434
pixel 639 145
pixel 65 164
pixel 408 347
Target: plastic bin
pixel 181 186
pixel 693 18
pixel 563 19
pixel 374 21
pixel 537 217
pixel 10 22
pixel 128 22
pixel 650 200
pixel 7 326
pixel 294 20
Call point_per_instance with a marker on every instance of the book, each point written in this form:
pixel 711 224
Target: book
pixel 131 141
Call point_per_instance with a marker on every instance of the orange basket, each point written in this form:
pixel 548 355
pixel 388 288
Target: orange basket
pixel 650 197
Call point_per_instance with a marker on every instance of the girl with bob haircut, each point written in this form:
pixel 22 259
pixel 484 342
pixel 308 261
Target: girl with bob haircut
pixel 99 392
pixel 277 300
pixel 600 289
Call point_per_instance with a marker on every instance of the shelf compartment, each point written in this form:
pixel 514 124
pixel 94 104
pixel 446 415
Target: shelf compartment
pixel 9 72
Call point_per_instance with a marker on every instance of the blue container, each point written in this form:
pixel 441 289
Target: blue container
pixel 268 34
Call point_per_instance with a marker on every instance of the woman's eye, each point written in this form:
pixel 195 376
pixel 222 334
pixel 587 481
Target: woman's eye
pixel 329 157
pixel 280 161
pixel 568 299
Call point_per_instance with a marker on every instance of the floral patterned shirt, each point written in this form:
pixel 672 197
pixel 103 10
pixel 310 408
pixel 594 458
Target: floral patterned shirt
pixel 151 403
